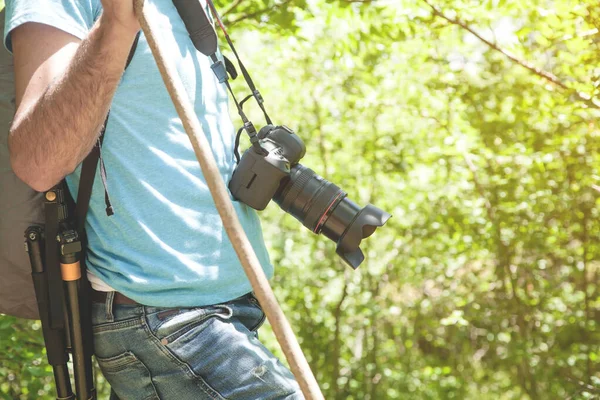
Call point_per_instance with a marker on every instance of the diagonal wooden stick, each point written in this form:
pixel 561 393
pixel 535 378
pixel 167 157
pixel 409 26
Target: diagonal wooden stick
pixel 245 252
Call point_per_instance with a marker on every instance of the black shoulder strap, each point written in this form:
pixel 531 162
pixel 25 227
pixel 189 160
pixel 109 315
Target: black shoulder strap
pixel 90 164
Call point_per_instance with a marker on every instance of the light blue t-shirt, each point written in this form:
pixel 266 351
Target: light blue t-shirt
pixel 165 245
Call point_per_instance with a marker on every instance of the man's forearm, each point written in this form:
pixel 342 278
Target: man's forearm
pixel 50 137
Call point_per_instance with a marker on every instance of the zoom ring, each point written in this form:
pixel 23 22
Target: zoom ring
pixel 298 184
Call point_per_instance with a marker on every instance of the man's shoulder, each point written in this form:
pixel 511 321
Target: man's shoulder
pixel 75 17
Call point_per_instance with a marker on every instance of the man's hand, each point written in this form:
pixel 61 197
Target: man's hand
pixel 121 12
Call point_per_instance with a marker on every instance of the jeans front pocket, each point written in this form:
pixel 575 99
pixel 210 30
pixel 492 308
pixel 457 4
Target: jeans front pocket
pixel 128 376
pixel 228 362
pixel 170 324
pixel 178 331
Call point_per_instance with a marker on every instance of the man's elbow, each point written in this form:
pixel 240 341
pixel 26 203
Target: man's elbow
pixel 26 170
pixel 39 185
pixel 32 178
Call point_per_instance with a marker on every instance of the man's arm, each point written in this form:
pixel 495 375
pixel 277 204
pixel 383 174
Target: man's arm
pixel 64 88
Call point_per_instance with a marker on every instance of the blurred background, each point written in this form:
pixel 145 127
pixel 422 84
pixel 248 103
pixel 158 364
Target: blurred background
pixel 474 124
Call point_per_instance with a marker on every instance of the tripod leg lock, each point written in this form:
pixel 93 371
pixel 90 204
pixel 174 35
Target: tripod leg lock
pixel 70 272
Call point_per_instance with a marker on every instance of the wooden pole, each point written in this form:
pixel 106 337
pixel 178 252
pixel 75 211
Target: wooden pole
pixel 281 327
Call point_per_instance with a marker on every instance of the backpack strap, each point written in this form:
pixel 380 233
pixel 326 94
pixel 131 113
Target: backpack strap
pixel 84 194
pixel 90 164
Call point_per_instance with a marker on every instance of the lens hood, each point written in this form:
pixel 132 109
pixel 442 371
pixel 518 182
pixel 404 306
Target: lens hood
pixel 363 226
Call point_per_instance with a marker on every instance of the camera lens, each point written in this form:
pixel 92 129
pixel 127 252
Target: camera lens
pixel 322 206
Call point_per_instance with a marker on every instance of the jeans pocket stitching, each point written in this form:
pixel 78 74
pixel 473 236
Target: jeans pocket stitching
pixel 201 319
pixel 118 362
pixel 113 326
pixel 161 321
pixel 123 361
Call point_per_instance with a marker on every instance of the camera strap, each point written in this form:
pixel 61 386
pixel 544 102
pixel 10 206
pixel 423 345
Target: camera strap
pixel 255 92
pixel 204 38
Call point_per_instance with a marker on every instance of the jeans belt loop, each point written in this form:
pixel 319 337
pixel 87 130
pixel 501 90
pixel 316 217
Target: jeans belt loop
pixel 110 296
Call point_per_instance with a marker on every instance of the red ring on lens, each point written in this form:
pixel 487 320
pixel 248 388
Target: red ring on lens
pixel 325 214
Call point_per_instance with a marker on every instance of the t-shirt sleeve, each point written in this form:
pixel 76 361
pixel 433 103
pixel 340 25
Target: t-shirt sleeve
pixel 72 16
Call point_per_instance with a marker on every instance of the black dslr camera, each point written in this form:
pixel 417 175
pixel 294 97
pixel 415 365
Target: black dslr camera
pixel 271 171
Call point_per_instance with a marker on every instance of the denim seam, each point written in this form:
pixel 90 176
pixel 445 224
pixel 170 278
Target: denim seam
pixel 161 321
pixel 198 321
pixel 176 335
pixel 128 323
pixel 212 393
pixel 108 304
pixel 124 360
pixel 138 361
pixel 151 382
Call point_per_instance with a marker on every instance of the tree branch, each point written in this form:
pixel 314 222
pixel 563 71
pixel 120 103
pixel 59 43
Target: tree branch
pixel 584 386
pixel 259 12
pixel 550 77
pixel 232 7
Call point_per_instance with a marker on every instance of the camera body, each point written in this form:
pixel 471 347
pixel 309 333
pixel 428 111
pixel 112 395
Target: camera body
pixel 258 175
pixel 272 170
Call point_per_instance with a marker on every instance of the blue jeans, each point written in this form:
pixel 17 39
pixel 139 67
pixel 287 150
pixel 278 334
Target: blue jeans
pixel 209 352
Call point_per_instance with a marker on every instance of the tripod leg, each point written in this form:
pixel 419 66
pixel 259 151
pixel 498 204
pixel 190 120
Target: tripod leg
pixel 63 383
pixel 71 274
pixel 54 339
pixel 86 322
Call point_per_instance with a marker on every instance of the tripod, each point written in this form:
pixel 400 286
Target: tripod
pixel 55 253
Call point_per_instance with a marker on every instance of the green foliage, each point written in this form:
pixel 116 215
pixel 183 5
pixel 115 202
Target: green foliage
pixel 484 284
pixel 24 371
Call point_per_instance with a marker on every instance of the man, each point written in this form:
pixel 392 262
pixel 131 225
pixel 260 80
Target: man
pixel 173 314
